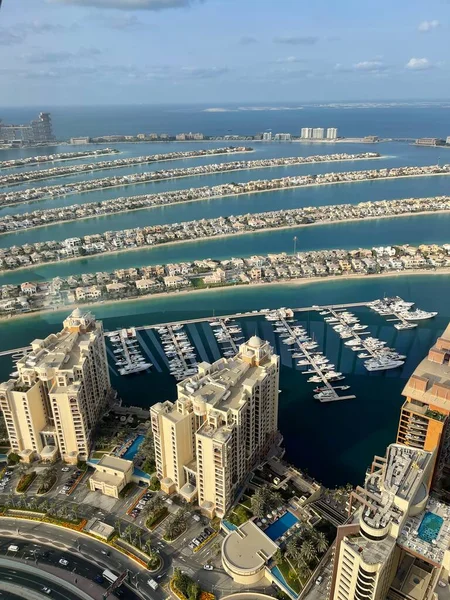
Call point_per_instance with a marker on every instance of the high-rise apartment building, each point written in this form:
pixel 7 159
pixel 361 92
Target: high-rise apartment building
pixel 38 131
pixel 60 392
pixel 424 418
pixel 306 133
pixel 396 545
pixel 224 421
pixel 318 133
pixel 332 133
pixel 267 136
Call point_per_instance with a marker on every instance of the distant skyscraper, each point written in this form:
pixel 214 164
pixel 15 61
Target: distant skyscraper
pixel 307 133
pixel 267 136
pixel 283 137
pixel 39 131
pixel 331 133
pixel 318 133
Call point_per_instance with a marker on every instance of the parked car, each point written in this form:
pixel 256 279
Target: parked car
pixel 319 580
pixel 65 469
pixel 63 562
pixel 208 567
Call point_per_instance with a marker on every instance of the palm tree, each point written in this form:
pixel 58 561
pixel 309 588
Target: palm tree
pixel 127 533
pixel 11 500
pixel 303 571
pixel 278 556
pixel 292 550
pixel 321 542
pixel 308 551
pixel 148 547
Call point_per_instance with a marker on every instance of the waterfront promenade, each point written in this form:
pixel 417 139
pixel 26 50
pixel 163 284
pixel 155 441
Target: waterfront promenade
pixel 54 191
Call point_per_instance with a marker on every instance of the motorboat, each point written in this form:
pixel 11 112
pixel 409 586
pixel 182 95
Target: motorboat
pixel 417 315
pixel 402 326
pixel 382 364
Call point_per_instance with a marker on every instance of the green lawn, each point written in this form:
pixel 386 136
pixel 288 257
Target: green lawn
pixel 293 582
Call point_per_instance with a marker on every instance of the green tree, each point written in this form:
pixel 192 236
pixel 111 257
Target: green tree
pixel 320 542
pixel 264 500
pixel 13 458
pixel 308 551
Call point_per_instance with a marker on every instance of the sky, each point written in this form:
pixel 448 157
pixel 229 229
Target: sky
pixel 97 52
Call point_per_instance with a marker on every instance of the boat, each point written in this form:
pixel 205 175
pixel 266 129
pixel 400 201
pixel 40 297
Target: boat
pixel 314 379
pixel 402 326
pixel 303 363
pixel 325 395
pixel 131 369
pixel 417 315
pixel 381 364
pixel 324 312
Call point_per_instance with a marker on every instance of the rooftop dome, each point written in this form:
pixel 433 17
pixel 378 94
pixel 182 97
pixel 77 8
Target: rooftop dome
pixel 76 313
pixel 255 342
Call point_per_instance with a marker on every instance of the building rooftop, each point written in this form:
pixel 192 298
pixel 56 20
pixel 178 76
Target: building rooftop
pixel 400 481
pixel 247 548
pixel 114 462
pixel 430 382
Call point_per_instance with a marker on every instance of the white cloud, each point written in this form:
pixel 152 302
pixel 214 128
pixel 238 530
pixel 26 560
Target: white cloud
pixel 418 64
pixel 130 4
pixel 369 65
pixel 429 25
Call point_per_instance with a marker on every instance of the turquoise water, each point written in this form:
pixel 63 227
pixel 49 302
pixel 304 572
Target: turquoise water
pixel 406 230
pixel 281 525
pixel 430 526
pixel 132 450
pixel 322 438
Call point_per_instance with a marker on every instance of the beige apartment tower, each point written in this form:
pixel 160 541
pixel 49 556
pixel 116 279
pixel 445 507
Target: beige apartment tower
pixel 60 392
pixel 224 421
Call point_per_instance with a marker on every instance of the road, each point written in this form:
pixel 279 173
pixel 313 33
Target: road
pixel 44 545
pixel 35 582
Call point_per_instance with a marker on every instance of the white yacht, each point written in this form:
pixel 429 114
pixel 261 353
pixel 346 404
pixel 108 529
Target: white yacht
pixel 417 315
pixel 402 326
pixel 382 364
pixel 131 369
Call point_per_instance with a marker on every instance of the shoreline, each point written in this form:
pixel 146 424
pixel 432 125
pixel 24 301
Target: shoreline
pixel 251 192
pixel 222 236
pixel 38 163
pixel 218 172
pixel 150 162
pixel 285 282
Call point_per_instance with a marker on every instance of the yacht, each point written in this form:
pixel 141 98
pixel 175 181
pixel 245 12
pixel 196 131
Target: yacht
pixel 325 395
pixel 382 364
pixel 417 315
pixel 402 326
pixel 303 363
pixel 131 369
pixel 314 379
pixel 359 327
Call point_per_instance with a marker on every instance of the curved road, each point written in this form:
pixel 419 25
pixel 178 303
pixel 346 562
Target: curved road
pixel 14 575
pixel 43 545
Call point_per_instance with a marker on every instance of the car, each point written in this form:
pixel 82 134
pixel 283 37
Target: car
pixel 63 562
pixel 65 469
pixel 196 542
pixel 105 552
pixel 99 579
pixel 442 583
pixel 319 580
pixel 208 567
pixel 46 590
pixel 192 545
pixel 13 548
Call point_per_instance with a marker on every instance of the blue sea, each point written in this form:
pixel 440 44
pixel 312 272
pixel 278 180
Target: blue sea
pixel 337 441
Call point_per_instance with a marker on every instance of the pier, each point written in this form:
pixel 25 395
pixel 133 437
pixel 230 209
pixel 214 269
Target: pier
pixel 302 346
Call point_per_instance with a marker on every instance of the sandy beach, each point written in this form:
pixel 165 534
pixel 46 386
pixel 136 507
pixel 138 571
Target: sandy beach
pixel 289 282
pixel 223 236
pixel 111 187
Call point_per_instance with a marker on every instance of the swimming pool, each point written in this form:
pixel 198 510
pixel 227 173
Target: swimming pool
pixel 281 525
pixel 430 526
pixel 132 450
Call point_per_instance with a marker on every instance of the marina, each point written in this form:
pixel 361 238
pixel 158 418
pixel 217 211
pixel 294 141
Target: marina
pixel 377 356
pixel 127 353
pixel 305 349
pixel 178 350
pixel 228 335
pixel 404 317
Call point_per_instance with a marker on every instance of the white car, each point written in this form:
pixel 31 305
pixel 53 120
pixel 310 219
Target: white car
pixel 442 583
pixel 65 469
pixel 46 590
pixel 63 562
pixel 208 567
